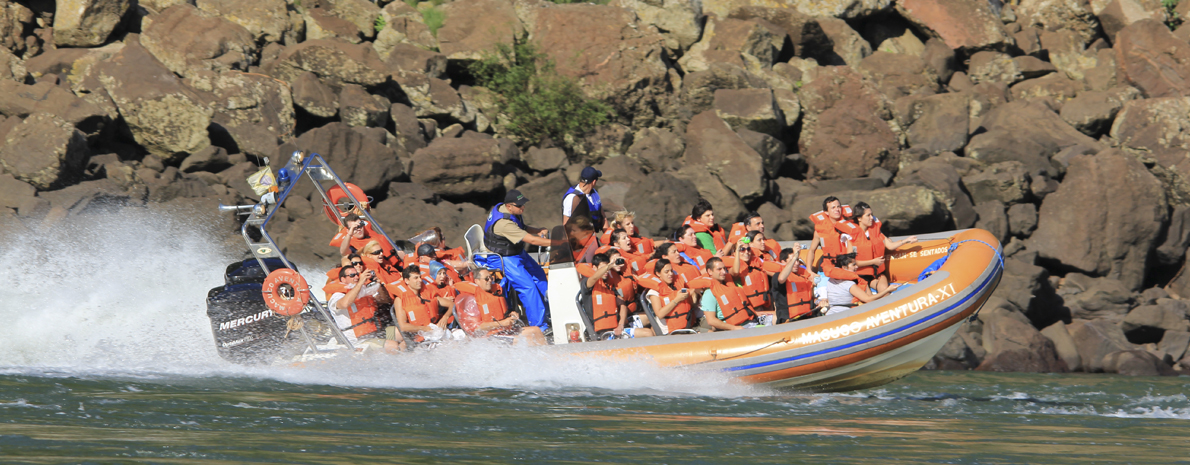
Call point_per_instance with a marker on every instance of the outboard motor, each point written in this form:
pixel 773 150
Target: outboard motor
pixel 245 330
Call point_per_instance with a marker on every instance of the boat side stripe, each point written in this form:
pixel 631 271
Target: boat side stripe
pixel 969 295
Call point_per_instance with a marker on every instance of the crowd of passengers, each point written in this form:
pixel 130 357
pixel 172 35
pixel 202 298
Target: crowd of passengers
pixel 704 278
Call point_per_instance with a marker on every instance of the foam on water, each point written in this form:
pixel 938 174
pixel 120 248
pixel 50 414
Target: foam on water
pixel 123 294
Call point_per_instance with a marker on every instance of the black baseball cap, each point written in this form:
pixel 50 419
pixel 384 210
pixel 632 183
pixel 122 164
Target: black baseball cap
pixel 425 250
pixel 589 174
pixel 515 197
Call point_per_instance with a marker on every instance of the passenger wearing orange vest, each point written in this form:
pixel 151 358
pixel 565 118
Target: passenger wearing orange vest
pixel 626 220
pixel 760 246
pixel 611 292
pixel 795 285
pixel 416 312
pixel 842 294
pixel 752 274
pixel 691 251
pixel 356 233
pixel 830 226
pixel 441 289
pixel 358 298
pixel 669 251
pixel 871 245
pixel 672 303
pixel 373 258
pixel 623 243
pixel 490 315
pixel 752 222
pixel 702 219
pixel 724 305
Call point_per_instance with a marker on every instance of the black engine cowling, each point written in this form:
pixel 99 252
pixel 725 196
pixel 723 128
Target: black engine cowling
pixel 245 330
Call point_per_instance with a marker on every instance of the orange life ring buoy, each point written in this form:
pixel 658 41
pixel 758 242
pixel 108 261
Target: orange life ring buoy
pixel 285 292
pixel 336 194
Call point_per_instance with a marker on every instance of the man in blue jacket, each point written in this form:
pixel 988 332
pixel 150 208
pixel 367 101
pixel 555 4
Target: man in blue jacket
pixel 505 235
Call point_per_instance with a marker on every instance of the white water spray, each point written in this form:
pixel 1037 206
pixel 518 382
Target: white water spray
pixel 124 294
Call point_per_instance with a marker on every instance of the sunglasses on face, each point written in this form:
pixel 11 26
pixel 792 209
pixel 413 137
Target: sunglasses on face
pixel 351 275
pixel 485 278
pixel 378 252
pixel 357 263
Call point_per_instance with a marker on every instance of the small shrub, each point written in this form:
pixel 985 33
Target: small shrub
pixel 434 19
pixel 379 24
pixel 1172 20
pixel 537 101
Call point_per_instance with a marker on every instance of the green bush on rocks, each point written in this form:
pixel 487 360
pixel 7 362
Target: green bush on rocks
pixel 537 102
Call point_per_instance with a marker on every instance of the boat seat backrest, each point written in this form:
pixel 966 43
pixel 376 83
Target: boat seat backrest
pixel 585 310
pixel 647 306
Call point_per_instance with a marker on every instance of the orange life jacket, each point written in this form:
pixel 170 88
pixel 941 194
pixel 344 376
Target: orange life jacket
pixel 754 278
pixel 681 317
pixel 700 256
pixel 831 233
pixel 418 310
pixel 839 273
pixel 869 246
pixel 362 311
pixel 738 231
pixel 799 294
pixel 643 245
pixel 432 293
pixel 358 243
pixel 604 311
pixel 732 302
pixel 716 232
pixel 491 307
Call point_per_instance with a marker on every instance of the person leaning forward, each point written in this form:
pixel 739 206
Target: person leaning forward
pixel 505 234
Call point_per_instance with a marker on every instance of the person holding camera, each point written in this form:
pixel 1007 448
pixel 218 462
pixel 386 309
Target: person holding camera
pixel 360 298
pixel 612 292
pixel 355 233
pixel 672 303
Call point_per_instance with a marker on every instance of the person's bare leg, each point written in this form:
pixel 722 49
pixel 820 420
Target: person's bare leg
pixel 531 336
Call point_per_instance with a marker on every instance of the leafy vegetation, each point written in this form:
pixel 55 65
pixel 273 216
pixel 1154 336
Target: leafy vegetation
pixel 379 24
pixel 1172 19
pixel 537 102
pixel 434 19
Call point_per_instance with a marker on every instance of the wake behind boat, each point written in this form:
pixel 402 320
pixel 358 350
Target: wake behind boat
pixel 264 314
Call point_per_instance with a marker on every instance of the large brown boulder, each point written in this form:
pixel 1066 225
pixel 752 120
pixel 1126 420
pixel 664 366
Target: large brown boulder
pixel 698 88
pixel 611 55
pixel 1157 128
pixel 255 111
pixel 14 18
pixel 476 27
pixel 544 208
pixel 22 100
pixel 657 149
pixel 359 108
pixel 358 155
pixel 1028 132
pixel 1096 298
pixel 316 98
pixel 453 218
pixel 87 23
pixel 937 123
pixel 753 109
pixel 45 151
pixel 1135 363
pixel 844 128
pixel 937 174
pixel 462 167
pixel 267 20
pixel 712 147
pixel 1064 345
pixel 334 62
pixel 746 43
pixel 661 203
pixel 1014 345
pixel 165 116
pixel 1007 182
pixel 680 21
pixel 1074 15
pixel 897 75
pixel 15 195
pixel 1153 60
pixel 1119 14
pixel 186 39
pixel 965 25
pixel 1095 339
pixel 1104 218
pixel 1148 323
pixel 1092 112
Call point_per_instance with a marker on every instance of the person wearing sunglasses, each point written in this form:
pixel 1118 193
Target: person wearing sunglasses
pixel 359 304
pixel 482 313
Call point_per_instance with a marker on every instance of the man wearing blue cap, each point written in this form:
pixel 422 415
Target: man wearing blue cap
pixel 586 187
pixel 505 234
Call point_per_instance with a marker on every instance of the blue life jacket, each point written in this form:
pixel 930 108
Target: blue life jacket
pixel 500 244
pixel 595 203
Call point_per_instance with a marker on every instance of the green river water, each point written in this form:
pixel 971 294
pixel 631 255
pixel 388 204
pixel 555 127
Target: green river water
pixel 929 417
pixel 106 356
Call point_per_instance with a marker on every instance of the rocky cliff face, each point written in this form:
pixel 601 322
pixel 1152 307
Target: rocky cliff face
pixel 1062 127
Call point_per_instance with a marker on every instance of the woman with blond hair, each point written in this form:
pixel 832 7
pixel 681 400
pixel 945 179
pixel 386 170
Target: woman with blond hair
pixel 626 220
